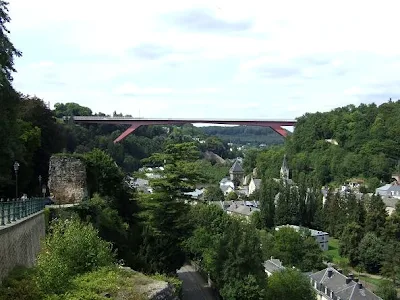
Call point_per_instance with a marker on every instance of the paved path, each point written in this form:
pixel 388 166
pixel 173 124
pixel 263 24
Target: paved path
pixel 194 286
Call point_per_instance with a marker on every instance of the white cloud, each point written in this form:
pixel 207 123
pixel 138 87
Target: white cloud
pixel 257 58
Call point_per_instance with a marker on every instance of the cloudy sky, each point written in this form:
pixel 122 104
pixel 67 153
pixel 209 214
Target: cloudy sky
pixel 208 58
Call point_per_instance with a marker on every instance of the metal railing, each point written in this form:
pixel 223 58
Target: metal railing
pixel 12 210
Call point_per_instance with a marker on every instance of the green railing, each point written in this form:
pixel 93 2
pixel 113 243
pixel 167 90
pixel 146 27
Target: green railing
pixel 12 210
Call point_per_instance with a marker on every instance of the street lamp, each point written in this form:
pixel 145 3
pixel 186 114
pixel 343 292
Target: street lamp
pixel 16 167
pixel 40 182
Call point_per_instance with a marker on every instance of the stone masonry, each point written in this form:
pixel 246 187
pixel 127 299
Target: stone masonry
pixel 20 243
pixel 67 179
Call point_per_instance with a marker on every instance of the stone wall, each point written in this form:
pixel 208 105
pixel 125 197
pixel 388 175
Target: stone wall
pixel 20 243
pixel 67 179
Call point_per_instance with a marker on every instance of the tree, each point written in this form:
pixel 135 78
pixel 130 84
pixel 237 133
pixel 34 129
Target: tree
pixel 267 194
pixel 7 51
pixel 236 265
pixel 391 262
pixel 289 284
pixel 71 109
pixel 164 213
pixel 387 290
pixel 232 196
pixel 9 101
pixel 288 246
pixel 349 242
pixel 370 252
pixel 376 215
pixel 213 193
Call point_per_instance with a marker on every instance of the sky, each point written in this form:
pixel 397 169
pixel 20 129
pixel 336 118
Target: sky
pixel 208 58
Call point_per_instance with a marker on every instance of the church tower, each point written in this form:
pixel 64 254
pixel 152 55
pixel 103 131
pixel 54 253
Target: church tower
pixel 284 169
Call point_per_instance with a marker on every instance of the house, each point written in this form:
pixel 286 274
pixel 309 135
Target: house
pixel 331 284
pixel 321 237
pixel 389 190
pixel 241 210
pixel 196 194
pixel 272 265
pixel 254 185
pixel 236 173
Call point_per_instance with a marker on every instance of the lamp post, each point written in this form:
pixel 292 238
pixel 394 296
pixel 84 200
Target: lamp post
pixel 16 168
pixel 40 183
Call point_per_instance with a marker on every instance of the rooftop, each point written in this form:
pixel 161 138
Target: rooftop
pixel 345 287
pixel 236 168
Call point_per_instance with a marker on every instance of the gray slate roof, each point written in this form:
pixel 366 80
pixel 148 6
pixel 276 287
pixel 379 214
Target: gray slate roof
pixel 337 284
pixel 242 209
pixel 272 265
pixel 236 168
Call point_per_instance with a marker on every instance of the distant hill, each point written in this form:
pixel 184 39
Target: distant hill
pixel 242 135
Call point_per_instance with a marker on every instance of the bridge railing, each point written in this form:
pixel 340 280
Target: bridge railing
pixel 12 210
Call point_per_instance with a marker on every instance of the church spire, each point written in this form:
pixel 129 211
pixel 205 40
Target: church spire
pixel 284 169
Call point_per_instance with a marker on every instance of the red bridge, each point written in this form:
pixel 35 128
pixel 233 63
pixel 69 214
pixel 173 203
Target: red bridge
pixel 276 125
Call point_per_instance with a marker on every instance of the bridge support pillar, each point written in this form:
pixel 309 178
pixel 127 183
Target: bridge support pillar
pixel 127 132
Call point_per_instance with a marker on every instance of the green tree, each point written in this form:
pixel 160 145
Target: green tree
pixel 9 101
pixel 164 213
pixel 387 290
pixel 103 175
pixel 266 197
pixel 213 193
pixel 288 246
pixel 289 284
pixel 349 242
pixel 376 215
pixel 237 240
pixel 370 252
pixel 71 109
pixel 232 196
pixel 391 262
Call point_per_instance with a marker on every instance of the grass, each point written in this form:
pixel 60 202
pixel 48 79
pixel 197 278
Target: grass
pixel 333 252
pixel 113 282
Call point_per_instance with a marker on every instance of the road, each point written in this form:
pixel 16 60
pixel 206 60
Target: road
pixel 194 286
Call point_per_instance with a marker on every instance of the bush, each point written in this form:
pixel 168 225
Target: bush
pixel 20 284
pixel 72 248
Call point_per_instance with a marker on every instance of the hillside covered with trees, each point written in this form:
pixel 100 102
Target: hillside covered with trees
pixel 243 135
pixel 335 146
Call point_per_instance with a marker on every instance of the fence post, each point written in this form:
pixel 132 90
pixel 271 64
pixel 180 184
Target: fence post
pixel 13 207
pixel 8 211
pixel 2 212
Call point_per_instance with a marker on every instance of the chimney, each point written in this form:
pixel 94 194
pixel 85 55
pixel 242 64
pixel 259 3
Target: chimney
pixel 348 280
pixel 360 285
pixel 330 272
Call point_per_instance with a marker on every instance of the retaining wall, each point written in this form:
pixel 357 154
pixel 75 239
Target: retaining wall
pixel 20 243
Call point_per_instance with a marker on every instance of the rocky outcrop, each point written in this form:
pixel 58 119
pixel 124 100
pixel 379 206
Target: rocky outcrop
pixel 160 290
pixel 154 289
pixel 213 158
pixel 67 179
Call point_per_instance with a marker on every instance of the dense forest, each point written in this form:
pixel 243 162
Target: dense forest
pixel 335 146
pixel 36 126
pixel 243 135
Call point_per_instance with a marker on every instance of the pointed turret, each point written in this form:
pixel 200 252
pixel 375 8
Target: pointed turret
pixel 236 173
pixel 284 169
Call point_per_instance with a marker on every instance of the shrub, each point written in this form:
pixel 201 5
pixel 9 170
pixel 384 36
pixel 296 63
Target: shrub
pixel 20 284
pixel 72 248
